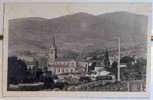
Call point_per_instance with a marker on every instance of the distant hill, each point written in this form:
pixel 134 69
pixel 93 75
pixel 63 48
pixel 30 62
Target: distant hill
pixel 79 32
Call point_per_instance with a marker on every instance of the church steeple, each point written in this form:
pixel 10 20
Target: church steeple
pixel 52 55
pixel 53 44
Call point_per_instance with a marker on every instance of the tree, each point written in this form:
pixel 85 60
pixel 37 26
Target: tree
pixel 127 60
pixel 113 68
pixel 16 70
pixel 106 59
pixel 38 74
pixel 48 80
pixel 71 55
pixel 92 66
pixel 140 68
pixel 133 71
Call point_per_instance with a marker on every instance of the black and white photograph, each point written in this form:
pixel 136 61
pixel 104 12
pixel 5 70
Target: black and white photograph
pixel 77 47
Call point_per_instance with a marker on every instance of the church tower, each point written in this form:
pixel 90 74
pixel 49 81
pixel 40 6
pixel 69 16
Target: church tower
pixel 52 54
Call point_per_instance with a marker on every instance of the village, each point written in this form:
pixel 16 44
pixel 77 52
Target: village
pixel 50 72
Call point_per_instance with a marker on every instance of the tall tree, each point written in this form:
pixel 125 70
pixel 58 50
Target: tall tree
pixel 106 59
pixel 113 68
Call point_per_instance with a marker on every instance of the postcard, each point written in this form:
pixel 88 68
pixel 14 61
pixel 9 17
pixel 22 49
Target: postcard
pixel 76 49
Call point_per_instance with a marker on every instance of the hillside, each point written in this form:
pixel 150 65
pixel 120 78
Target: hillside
pixel 79 32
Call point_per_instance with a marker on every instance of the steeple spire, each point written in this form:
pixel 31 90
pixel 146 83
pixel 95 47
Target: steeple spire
pixel 53 44
pixel 52 55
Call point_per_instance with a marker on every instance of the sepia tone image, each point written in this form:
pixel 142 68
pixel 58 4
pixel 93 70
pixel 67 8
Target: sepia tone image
pixel 77 47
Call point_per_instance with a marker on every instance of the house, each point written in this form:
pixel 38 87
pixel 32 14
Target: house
pixel 99 67
pixel 29 61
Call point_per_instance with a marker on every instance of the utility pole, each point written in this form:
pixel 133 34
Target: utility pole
pixel 118 68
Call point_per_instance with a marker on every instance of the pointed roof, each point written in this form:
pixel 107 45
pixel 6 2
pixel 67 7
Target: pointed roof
pixel 53 44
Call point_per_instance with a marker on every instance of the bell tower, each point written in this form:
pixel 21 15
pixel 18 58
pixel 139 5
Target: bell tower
pixel 52 54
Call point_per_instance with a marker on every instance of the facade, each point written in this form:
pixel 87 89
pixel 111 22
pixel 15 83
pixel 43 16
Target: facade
pixel 61 69
pixel 61 66
pixel 82 63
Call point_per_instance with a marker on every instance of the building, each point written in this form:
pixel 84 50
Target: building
pixel 63 65
pixel 83 63
pixel 99 66
pixel 29 61
pixel 61 69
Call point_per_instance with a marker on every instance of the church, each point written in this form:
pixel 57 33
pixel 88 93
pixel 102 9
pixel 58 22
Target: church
pixel 63 65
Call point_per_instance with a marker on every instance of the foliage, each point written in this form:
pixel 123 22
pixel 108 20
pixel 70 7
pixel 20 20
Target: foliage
pixel 16 70
pixel 134 71
pixel 71 55
pixel 106 59
pixel 127 60
pixel 96 55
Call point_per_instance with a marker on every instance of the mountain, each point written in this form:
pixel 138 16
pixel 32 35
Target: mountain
pixel 128 25
pixel 79 32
